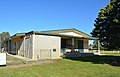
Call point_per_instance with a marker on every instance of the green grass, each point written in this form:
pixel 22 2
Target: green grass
pixel 14 61
pixel 95 66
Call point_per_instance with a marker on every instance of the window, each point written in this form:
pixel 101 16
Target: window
pixel 63 43
pixel 54 50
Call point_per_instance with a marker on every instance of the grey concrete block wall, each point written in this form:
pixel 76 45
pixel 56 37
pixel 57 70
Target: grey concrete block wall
pixel 45 42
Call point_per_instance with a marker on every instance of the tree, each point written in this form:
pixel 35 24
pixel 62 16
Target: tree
pixel 107 26
pixel 3 36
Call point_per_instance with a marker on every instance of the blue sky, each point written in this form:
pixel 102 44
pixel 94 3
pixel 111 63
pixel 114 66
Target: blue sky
pixel 27 15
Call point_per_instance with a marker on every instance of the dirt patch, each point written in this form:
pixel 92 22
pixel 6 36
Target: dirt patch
pixel 32 63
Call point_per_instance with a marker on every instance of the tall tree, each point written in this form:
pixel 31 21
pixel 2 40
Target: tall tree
pixel 107 25
pixel 3 36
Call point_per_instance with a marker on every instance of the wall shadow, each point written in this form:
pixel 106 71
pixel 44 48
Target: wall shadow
pixel 103 59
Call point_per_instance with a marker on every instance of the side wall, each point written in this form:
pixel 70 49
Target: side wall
pixel 46 47
pixel 26 47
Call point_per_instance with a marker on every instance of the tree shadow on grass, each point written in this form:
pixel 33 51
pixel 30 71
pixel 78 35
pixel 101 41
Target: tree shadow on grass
pixel 103 59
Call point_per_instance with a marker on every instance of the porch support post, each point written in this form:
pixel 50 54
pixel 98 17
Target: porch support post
pixel 73 44
pixel 16 48
pixel 8 49
pixel 9 46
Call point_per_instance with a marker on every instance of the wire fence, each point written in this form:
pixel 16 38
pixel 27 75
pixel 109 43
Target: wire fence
pixel 105 52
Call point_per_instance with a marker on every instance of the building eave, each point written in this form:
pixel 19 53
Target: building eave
pixel 16 35
pixel 60 35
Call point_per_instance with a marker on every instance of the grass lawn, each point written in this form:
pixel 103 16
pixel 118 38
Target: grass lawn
pixel 96 66
pixel 14 61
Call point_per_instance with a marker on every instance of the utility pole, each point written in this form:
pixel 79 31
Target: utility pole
pixel 98 46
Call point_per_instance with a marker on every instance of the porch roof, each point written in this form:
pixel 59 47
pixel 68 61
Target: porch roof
pixel 17 34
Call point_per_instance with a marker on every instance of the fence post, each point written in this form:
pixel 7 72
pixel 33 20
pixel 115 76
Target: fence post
pixel 50 54
pixel 40 54
pixel 26 58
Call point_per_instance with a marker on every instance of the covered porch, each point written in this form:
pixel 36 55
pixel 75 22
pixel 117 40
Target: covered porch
pixel 73 44
pixel 15 45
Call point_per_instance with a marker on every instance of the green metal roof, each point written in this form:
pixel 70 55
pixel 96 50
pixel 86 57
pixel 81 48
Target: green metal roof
pixel 51 33
pixel 18 34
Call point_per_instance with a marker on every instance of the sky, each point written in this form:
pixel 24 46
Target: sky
pixel 18 16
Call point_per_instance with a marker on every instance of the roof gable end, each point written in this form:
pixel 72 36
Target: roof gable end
pixel 72 32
